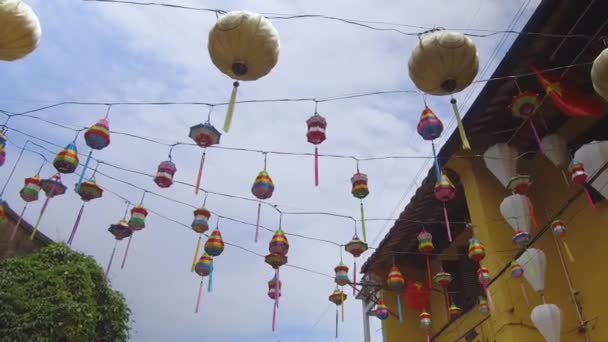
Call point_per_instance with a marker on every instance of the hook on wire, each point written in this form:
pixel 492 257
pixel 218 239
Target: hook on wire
pixel 108 110
pixel 209 113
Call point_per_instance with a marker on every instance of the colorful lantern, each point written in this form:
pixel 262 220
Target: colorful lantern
pixel 278 248
pixel 120 231
pixel 21 30
pixel 524 106
pixel 443 279
pixel 425 242
pixel 444 63
pixel 262 189
pixel 517 272
pixel 52 187
pixel 204 135
pixel 315 135
pixel 425 320
pixel 476 250
pixel 88 191
pixel 97 137
pixel 31 189
pixel 360 191
pixel 3 217
pixel 338 297
pixel 483 305
pixel 381 310
pixel 341 277
pixel 204 267
pixel 66 161
pixel 138 218
pixel 579 177
pixel 592 158
pixel 516 210
pixel 355 247
pixel 501 160
pixel 559 229
pixel 548 319
pixel 244 46
pixel 445 191
pixel 273 286
pixel 534 263
pixel 454 311
pixel 215 244
pixel 484 279
pixel 520 184
pixel 396 282
pixel 599 69
pixel 164 175
pixel 199 225
pixel 430 128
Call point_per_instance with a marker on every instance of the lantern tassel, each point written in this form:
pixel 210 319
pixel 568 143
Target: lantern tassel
pixel 524 292
pixel 84 169
pixel 535 132
pixel 210 282
pixel 363 223
pixel 336 322
pixel 274 316
pixel 198 297
pixel 463 135
pixel 589 199
pixel 257 222
pixel 76 224
pixel 342 307
pixel 447 222
pixel 565 178
pixel 568 252
pixel 14 233
pixel 44 206
pixel 196 251
pixel 428 272
pixel 447 303
pixel 532 215
pixel 437 168
pixel 124 258
pixel 355 277
pixel 111 259
pixel 316 166
pixel 200 173
pixel 428 338
pixel 489 296
pixel 231 104
pixel 399 308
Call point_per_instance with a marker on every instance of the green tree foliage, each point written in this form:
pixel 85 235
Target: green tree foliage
pixel 57 294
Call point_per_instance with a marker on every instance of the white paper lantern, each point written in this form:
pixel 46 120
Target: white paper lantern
pixel 501 160
pixel 534 263
pixel 547 318
pixel 443 63
pixel 555 149
pixel 599 74
pixel 593 156
pixel 19 30
pixel 516 211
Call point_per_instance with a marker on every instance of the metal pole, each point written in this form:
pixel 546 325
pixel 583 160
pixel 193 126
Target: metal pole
pixel 366 333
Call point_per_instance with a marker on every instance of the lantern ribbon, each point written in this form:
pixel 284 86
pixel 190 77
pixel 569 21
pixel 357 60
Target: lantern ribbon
pixel 316 166
pixel 276 300
pixel 210 282
pixel 231 104
pixel 363 222
pixel 463 135
pixel 355 277
pixel 524 292
pixel 437 168
pixel 196 251
pixel 535 132
pixel 589 199
pixel 111 259
pixel 568 252
pixel 336 322
pixel 200 173
pixel 14 233
pixel 44 206
pixel 76 224
pixel 532 215
pixel 124 258
pixel 342 305
pixel 198 297
pixel 257 222
pixel 84 169
pixel 399 308
pixel 447 222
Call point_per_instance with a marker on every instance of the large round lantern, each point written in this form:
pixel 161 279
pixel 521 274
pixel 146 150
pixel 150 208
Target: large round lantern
pixel 20 30
pixel 244 46
pixel 599 74
pixel 444 63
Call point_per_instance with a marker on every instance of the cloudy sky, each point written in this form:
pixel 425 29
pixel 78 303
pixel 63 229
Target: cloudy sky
pixel 103 52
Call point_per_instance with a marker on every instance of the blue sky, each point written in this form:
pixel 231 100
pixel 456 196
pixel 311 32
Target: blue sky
pixel 110 52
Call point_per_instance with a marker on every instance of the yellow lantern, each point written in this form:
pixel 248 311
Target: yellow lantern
pixel 244 46
pixel 20 30
pixel 444 63
pixel 599 72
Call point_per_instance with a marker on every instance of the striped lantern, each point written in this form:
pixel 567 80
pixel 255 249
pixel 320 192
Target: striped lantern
pixel 66 161
pixel 315 135
pixel 31 189
pixel 165 173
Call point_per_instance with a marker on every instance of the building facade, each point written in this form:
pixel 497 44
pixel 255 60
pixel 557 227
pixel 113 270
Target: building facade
pixel 574 270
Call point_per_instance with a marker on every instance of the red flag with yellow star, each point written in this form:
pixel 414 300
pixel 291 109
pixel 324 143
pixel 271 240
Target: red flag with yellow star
pixel 417 295
pixel 570 100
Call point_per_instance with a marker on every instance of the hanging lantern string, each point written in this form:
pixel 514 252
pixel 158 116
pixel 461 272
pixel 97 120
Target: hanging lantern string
pixel 124 217
pixel 95 170
pixel 205 198
pixel 265 159
pixel 10 175
pixel 77 134
pixel 108 111
pixel 141 202
pixel 209 114
pixel 171 147
pixel 516 84
pixel 316 105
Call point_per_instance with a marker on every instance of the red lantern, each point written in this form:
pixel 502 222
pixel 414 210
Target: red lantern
pixel 316 135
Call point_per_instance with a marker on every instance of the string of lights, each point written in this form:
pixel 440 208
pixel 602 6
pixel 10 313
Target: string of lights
pixel 367 24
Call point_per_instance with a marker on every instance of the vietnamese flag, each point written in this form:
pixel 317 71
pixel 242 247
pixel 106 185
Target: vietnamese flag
pixel 417 295
pixel 570 100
